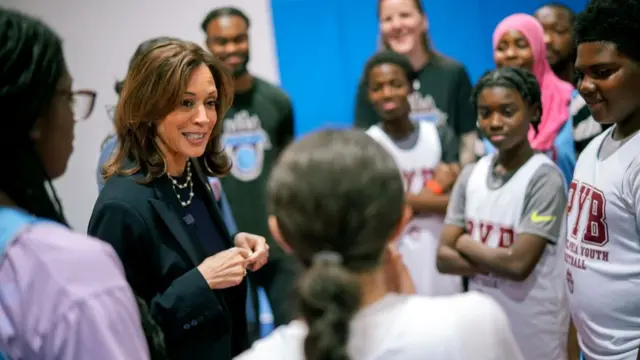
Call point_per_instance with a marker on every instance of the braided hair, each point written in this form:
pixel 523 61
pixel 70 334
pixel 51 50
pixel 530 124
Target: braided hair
pixel 521 80
pixel 31 64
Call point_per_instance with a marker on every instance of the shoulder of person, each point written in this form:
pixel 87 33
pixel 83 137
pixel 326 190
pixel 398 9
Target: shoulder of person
pixel 447 63
pixel 72 266
pixel 463 303
pixel 127 189
pixel 284 343
pixel 548 175
pixel 272 91
pixel 466 171
pixel 470 309
pixel 431 324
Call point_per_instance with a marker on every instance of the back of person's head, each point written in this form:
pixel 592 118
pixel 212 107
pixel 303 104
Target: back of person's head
pixel 36 133
pixel 336 198
pixel 155 86
pixel 144 46
pixel 611 21
pixel 521 80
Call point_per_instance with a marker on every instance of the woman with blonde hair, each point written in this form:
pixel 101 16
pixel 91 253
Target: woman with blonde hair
pixel 157 209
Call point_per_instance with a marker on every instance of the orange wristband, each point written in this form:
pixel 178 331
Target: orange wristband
pixel 434 187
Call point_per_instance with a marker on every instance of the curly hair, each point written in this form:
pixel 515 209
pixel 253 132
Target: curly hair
pixel 614 21
pixel 389 57
pixel 153 88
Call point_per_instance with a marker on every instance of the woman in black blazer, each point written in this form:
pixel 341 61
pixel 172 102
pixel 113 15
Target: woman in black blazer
pixel 157 209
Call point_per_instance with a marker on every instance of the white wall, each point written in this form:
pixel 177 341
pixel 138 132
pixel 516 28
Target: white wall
pixel 99 38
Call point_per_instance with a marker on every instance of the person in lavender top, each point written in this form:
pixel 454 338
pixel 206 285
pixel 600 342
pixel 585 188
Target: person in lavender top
pixel 63 295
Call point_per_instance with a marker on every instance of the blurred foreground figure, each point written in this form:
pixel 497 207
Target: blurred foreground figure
pixel 63 295
pixel 355 299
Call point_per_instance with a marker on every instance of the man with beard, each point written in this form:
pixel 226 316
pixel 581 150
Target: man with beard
pixel 557 20
pixel 256 129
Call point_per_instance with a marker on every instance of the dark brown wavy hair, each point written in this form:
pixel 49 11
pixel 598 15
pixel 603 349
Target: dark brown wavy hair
pixel 153 88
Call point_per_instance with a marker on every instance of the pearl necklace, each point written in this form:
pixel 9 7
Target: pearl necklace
pixel 188 183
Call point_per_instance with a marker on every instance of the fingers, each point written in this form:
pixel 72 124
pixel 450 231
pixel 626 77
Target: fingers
pixel 243 252
pixel 261 251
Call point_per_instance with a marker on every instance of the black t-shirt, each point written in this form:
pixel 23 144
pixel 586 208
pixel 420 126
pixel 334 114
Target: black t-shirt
pixel 256 129
pixel 441 94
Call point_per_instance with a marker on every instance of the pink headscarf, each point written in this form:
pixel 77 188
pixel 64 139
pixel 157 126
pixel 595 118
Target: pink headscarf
pixel 556 94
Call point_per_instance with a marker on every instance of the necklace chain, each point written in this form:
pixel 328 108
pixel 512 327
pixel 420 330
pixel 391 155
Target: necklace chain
pixel 187 183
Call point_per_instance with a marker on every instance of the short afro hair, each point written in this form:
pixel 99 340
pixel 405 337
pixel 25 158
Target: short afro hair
pixel 390 57
pixel 223 11
pixel 563 7
pixel 614 21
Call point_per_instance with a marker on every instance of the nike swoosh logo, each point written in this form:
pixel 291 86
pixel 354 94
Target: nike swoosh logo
pixel 536 218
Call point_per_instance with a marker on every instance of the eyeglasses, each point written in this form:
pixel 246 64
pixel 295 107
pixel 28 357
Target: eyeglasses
pixel 82 102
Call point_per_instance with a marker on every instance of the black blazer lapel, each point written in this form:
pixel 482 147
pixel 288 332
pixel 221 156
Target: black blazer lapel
pixel 167 207
pixel 211 202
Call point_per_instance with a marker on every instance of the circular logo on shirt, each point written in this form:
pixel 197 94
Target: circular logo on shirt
pixel 569 281
pixel 245 142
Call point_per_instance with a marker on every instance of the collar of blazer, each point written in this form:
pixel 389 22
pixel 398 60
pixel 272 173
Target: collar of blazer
pixel 169 209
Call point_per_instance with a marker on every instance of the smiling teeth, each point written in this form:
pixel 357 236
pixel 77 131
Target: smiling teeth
pixel 194 136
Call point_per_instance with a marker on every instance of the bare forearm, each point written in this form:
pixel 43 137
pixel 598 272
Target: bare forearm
pixel 467 148
pixel 426 202
pixel 450 261
pixel 497 261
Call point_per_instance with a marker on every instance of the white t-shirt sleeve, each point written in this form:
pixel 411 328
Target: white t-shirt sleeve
pixel 284 343
pixel 484 330
pixel 631 188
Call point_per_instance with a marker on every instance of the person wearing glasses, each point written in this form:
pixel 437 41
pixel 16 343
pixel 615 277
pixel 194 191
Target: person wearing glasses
pixel 63 295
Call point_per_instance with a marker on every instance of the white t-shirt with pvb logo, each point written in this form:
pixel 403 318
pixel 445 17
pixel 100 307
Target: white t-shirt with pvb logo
pixel 602 252
pixel 494 209
pixel 417 156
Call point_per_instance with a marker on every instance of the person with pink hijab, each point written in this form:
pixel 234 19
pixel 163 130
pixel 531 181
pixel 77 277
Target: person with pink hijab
pixel 518 41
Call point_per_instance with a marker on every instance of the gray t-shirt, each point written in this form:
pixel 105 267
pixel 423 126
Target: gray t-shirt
pixel 545 194
pixel 611 145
